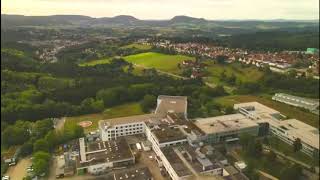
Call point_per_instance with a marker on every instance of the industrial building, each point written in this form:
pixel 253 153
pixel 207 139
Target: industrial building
pixel 226 128
pixel 306 103
pixel 288 130
pixel 97 157
pixel 134 174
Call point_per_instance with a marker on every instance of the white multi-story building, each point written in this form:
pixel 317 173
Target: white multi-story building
pixel 113 128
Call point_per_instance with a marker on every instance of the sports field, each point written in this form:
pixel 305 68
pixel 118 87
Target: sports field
pixel 95 62
pixel 164 62
pixel 287 110
pixel 117 111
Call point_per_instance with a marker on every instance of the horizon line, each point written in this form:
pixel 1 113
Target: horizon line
pixel 227 19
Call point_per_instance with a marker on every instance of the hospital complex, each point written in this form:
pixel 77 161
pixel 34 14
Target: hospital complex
pixel 182 145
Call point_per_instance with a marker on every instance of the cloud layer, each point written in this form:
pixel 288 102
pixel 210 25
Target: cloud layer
pixel 165 9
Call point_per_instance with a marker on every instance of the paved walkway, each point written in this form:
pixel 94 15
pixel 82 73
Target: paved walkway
pixel 60 123
pixel 267 175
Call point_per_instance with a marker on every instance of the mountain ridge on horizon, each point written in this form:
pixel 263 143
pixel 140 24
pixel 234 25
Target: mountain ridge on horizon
pixel 180 21
pixel 174 17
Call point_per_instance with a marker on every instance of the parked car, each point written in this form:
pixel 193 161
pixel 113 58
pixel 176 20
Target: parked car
pixel 5 178
pixel 12 164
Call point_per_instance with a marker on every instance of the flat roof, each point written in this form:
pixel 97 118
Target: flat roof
pixel 224 123
pixel 296 100
pixel 134 174
pixel 173 104
pixel 127 119
pixel 168 134
pixel 259 109
pixel 106 151
pixel 176 163
pixel 297 129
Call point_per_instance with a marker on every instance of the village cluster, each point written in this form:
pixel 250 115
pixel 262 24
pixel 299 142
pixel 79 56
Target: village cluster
pixel 179 147
pixel 277 61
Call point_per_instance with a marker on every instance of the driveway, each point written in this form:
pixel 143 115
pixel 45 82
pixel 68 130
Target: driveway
pixel 18 172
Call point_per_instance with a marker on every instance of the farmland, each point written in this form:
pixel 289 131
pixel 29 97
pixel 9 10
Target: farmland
pixel 243 74
pixel 137 46
pixel 164 62
pixel 96 62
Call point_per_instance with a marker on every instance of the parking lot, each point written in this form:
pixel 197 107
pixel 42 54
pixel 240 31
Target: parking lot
pixel 19 171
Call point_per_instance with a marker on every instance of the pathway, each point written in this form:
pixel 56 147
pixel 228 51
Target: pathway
pixel 19 171
pixel 173 75
pixel 287 157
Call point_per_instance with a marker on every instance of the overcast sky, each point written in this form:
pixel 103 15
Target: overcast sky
pixel 166 9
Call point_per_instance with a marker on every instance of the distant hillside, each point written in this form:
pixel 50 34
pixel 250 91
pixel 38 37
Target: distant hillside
pixel 130 21
pixel 275 40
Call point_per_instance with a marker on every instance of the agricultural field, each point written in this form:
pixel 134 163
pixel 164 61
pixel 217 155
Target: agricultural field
pixel 95 62
pixel 164 62
pixel 243 74
pixel 117 111
pixel 287 110
pixel 137 46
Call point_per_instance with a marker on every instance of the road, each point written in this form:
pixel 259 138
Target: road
pixel 60 123
pixel 267 175
pixel 19 171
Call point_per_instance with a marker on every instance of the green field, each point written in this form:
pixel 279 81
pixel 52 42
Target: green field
pixel 95 62
pixel 117 111
pixel 287 110
pixel 137 46
pixel 244 74
pixel 164 62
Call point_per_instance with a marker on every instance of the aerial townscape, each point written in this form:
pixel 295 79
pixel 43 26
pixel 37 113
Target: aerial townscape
pixel 229 91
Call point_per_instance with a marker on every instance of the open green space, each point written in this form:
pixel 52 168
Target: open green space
pixel 117 111
pixel 287 110
pixel 95 62
pixel 137 46
pixel 287 149
pixel 164 62
pixel 273 168
pixel 242 73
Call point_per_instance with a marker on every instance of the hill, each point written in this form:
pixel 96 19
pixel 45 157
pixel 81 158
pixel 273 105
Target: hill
pixel 130 21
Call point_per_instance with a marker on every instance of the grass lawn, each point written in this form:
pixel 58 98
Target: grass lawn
pixel 285 148
pixel 95 62
pixel 244 74
pixel 164 62
pixel 137 46
pixel 287 110
pixel 273 168
pixel 117 111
